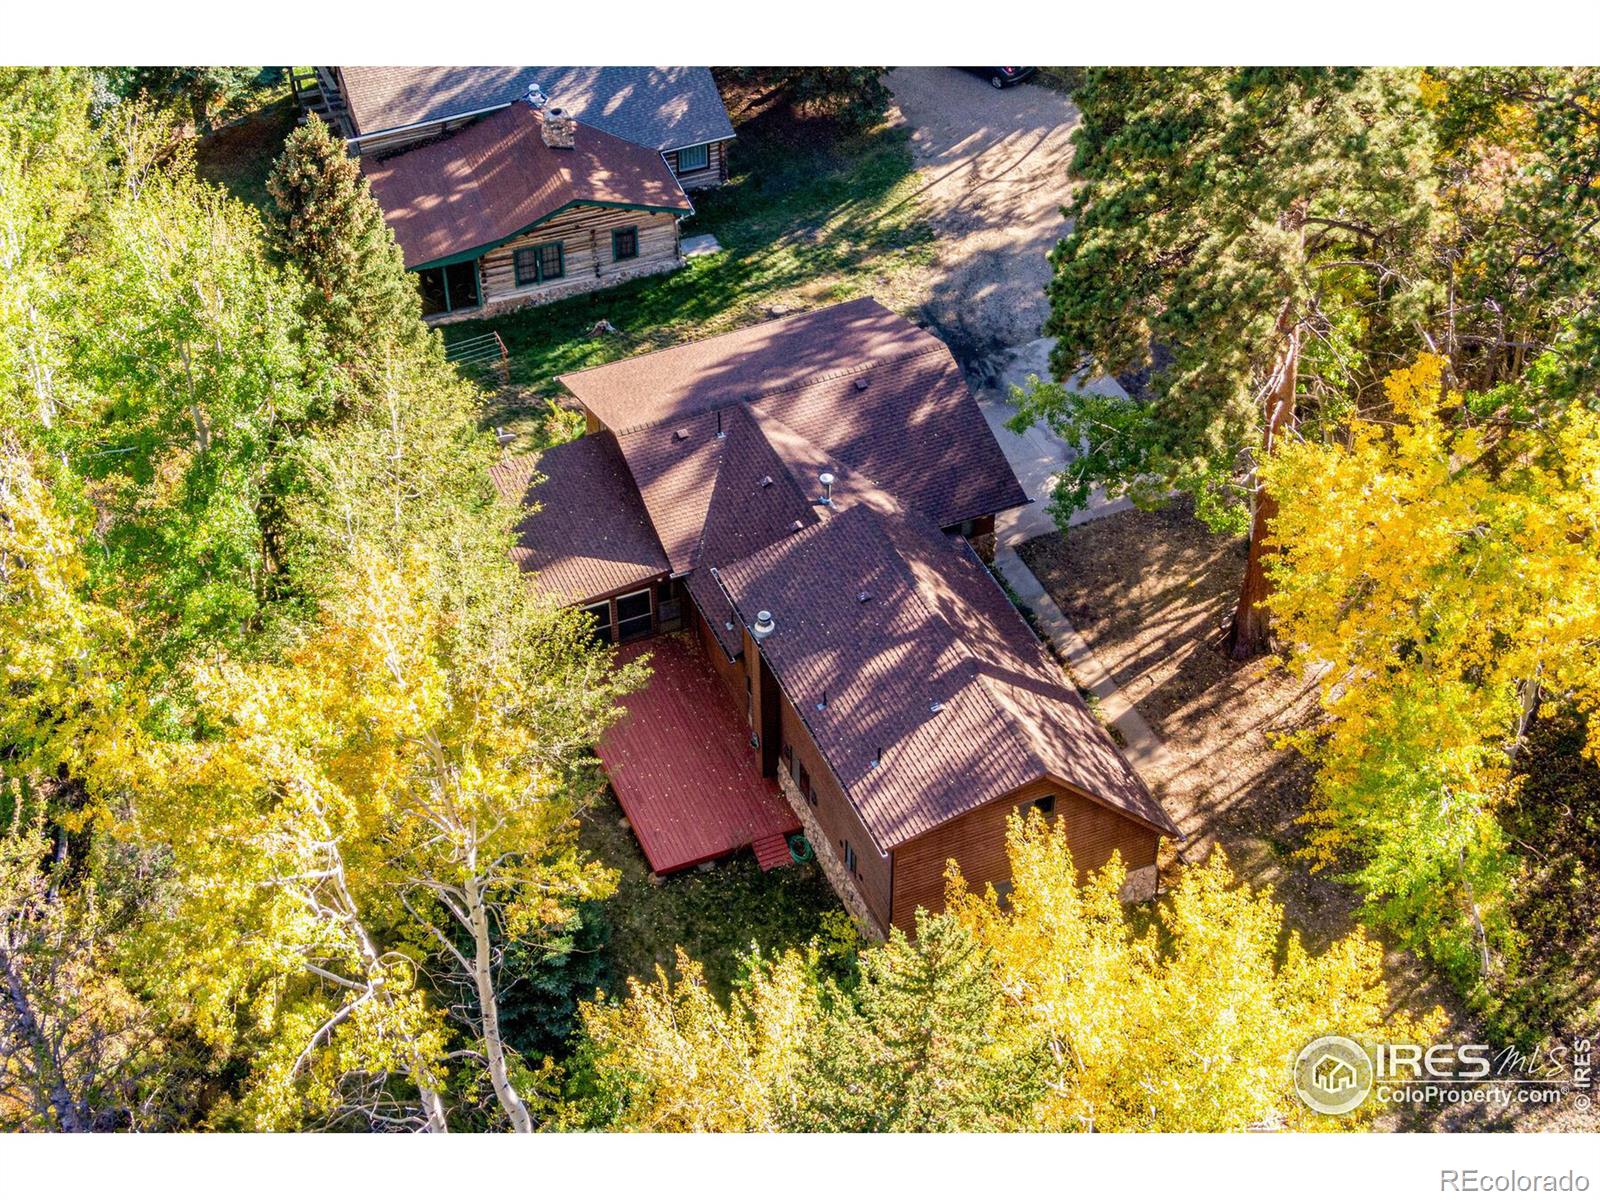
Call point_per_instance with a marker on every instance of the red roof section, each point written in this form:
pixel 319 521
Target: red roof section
pixel 493 179
pixel 682 766
pixel 585 533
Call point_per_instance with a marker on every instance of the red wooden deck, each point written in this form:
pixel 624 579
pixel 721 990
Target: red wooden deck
pixel 682 765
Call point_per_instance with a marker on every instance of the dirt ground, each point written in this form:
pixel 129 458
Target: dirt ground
pixel 1150 593
pixel 996 169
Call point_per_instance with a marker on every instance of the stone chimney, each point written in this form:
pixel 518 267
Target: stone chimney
pixel 559 129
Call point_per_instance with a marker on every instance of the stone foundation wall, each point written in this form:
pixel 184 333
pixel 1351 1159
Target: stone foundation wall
pixel 828 859
pixel 1140 885
pixel 496 306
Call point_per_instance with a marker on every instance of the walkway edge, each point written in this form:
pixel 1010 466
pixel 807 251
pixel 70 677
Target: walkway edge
pixel 1144 750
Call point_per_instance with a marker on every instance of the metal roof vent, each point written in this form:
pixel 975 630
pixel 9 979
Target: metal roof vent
pixel 798 526
pixel 766 481
pixel 877 759
pixel 863 597
pixel 826 480
pixel 861 383
pixel 936 707
pixel 680 435
pixel 721 433
pixel 764 625
pixel 536 97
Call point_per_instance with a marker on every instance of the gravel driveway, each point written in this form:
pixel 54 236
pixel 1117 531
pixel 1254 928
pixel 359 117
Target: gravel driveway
pixel 996 164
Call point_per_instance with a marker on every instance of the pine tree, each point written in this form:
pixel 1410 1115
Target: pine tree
pixel 324 220
pixel 1255 224
pixel 924 1045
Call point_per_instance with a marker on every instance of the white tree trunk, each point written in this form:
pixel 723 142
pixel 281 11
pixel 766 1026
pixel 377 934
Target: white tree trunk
pixel 489 1010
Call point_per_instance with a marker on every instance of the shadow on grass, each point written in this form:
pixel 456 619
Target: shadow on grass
pixel 714 914
pixel 811 215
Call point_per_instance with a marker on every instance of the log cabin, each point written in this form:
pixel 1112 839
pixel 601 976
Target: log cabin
pixel 793 520
pixel 524 206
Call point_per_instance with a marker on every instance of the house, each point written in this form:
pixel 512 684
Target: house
pixel 510 186
pixel 810 501
pixel 527 205
pixel 674 110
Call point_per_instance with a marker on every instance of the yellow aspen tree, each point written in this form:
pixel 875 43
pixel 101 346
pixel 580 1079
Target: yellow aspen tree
pixel 1192 1024
pixel 1442 569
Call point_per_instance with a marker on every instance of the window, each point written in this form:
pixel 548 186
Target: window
pixel 526 262
pixel 624 243
pixel 850 859
pixel 1045 804
pixel 539 264
pixel 693 158
pixel 788 757
pixel 601 614
pixel 448 289
pixel 805 784
pixel 633 615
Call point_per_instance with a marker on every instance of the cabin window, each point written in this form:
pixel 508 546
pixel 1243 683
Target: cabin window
pixel 850 859
pixel 448 289
pixel 601 613
pixel 1045 804
pixel 805 784
pixel 624 243
pixel 694 158
pixel 633 615
pixel 539 264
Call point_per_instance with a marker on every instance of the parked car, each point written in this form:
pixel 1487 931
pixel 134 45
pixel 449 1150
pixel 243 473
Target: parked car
pixel 1002 77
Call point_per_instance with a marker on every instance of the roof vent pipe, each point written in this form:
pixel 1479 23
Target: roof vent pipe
pixel 764 625
pixel 826 479
pixel 536 96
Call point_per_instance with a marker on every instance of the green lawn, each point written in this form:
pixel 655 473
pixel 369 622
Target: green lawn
pixel 714 913
pixel 810 216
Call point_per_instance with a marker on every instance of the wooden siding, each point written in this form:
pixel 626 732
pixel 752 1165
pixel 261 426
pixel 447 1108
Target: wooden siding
pixel 393 141
pixel 977 841
pixel 585 236
pixel 713 174
pixel 731 673
pixel 835 814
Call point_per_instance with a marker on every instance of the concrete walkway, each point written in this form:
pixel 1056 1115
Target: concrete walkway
pixel 1038 456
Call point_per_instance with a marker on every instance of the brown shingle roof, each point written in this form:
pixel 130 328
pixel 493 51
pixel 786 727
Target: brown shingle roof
pixel 590 535
pixel 934 629
pixel 870 389
pixel 713 499
pixel 486 183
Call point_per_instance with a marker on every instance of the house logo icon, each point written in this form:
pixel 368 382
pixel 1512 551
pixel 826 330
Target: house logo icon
pixel 1332 1075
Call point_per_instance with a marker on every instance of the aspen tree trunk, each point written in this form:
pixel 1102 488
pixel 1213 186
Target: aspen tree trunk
pixel 489 1011
pixel 61 1103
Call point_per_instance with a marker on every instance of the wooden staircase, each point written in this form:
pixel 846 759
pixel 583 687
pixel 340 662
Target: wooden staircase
pixel 772 851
